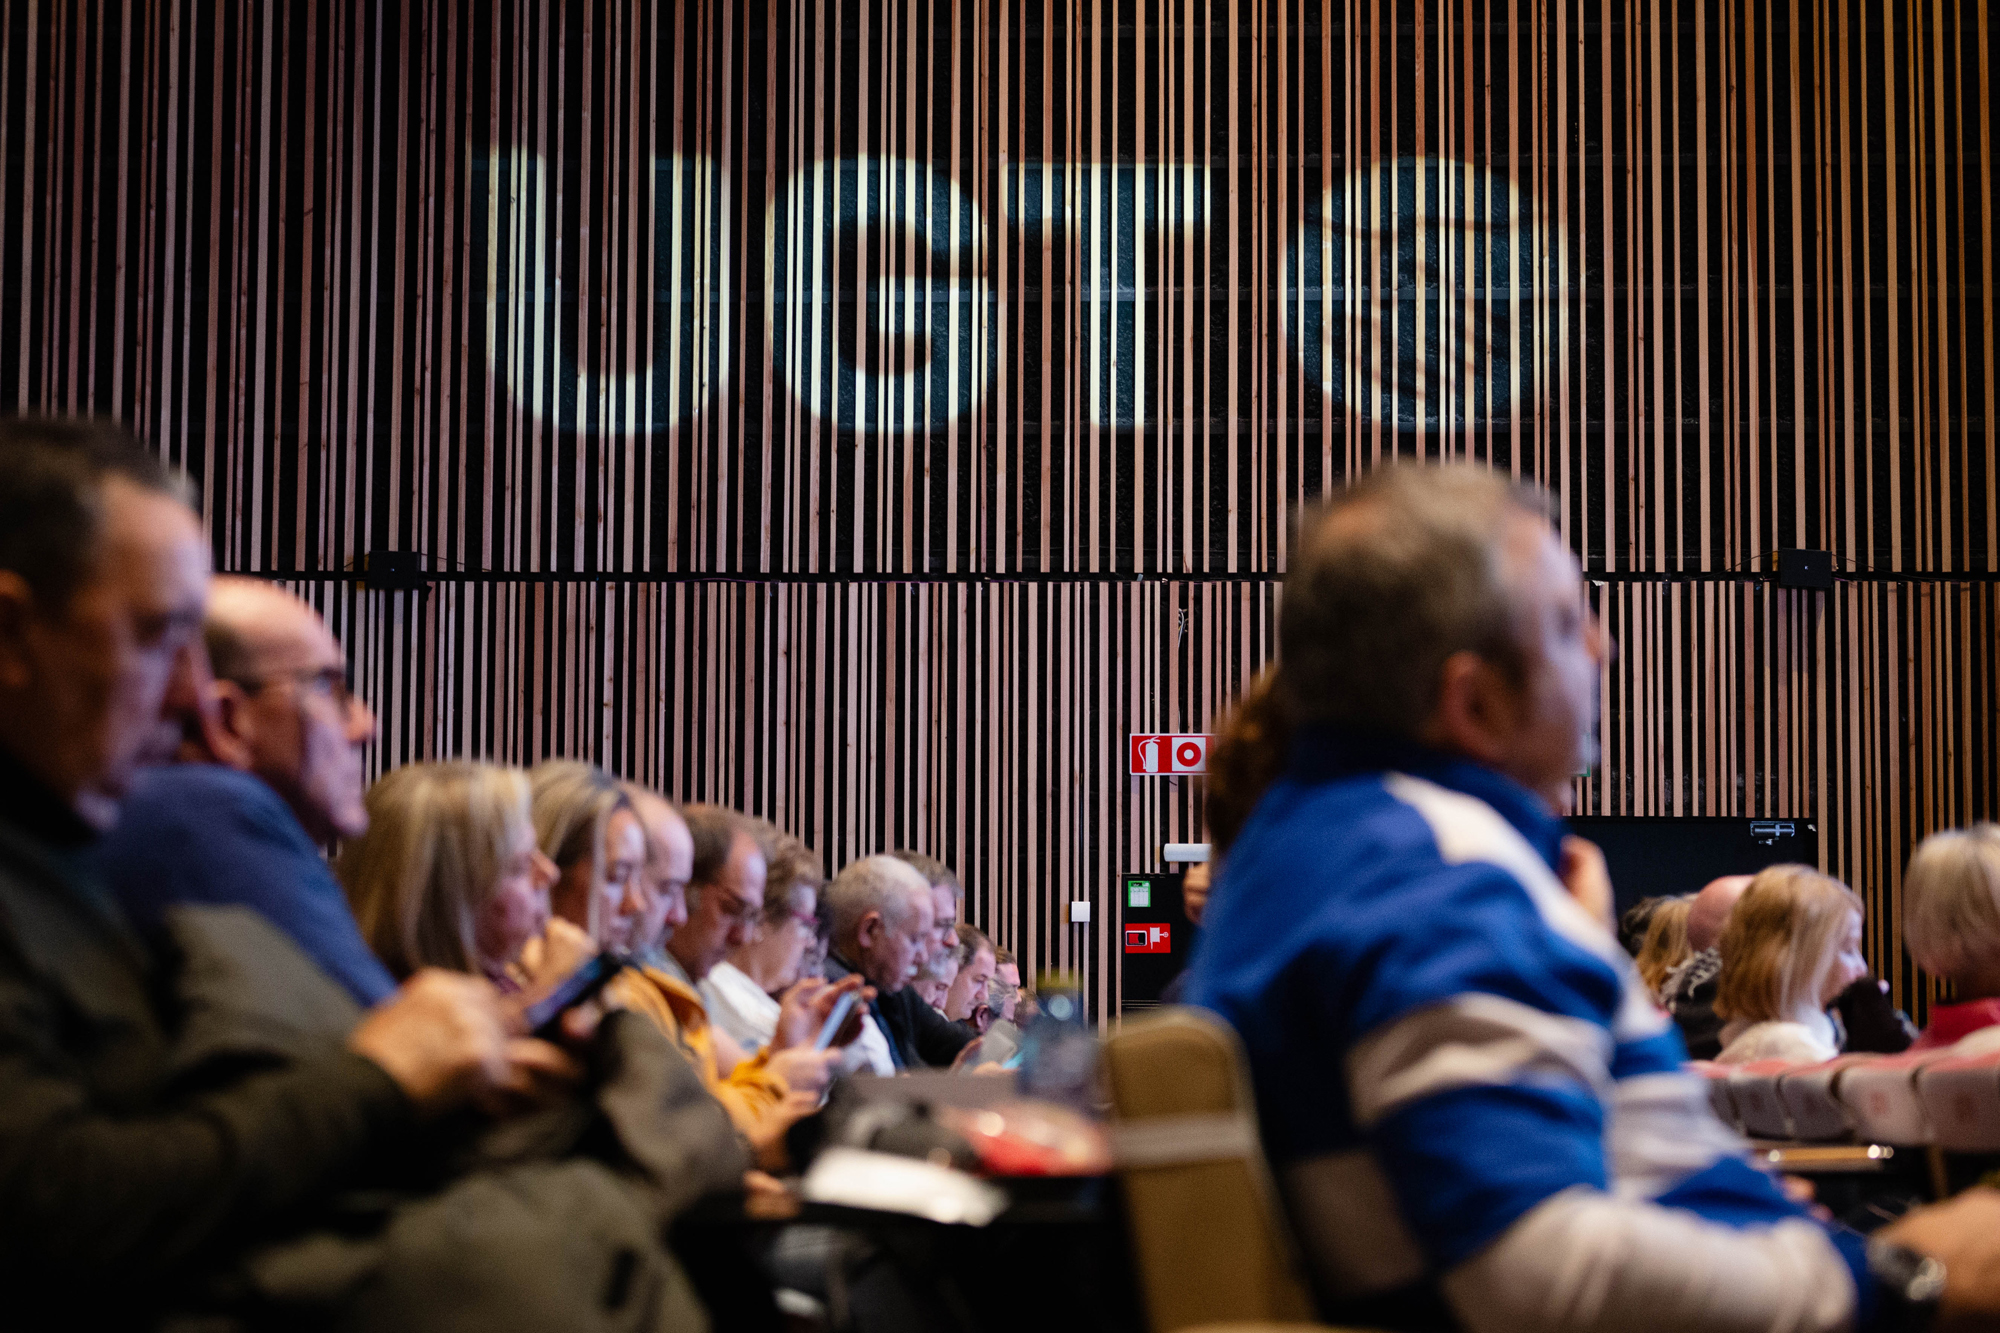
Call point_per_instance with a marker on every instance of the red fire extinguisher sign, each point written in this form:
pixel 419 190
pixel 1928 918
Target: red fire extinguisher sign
pixel 1153 937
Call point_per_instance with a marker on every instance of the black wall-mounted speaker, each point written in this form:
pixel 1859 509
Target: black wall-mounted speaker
pixel 1812 570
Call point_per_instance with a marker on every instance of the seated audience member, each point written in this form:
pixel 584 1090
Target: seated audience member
pixel 935 975
pixel 668 867
pixel 947 897
pixel 1006 988
pixel 448 874
pixel 1635 920
pixel 1465 1092
pixel 1791 946
pixel 1951 923
pixel 123 1186
pixel 742 990
pixel 287 737
pixel 879 912
pixel 1194 890
pixel 1689 990
pixel 1665 944
pixel 586 825
pixel 764 1093
pixel 1194 900
pixel 1247 756
pixel 993 1015
pixel 965 1002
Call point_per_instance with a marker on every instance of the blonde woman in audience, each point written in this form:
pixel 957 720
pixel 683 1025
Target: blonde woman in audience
pixel 448 873
pixel 1665 945
pixel 1951 921
pixel 586 825
pixel 1792 945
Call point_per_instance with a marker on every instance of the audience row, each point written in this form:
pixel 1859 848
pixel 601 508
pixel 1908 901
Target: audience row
pixel 241 1086
pixel 1770 967
pixel 209 1035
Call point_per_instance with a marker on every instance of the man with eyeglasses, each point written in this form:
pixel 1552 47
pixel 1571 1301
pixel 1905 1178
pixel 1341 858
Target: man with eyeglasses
pixel 765 1091
pixel 725 892
pixel 287 738
pixel 143 1159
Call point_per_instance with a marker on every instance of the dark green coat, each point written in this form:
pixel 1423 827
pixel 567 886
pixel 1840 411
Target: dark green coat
pixel 119 1174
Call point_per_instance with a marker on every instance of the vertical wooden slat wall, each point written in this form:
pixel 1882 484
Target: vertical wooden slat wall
pixel 868 413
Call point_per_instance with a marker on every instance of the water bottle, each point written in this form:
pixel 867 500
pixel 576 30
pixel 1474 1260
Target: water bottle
pixel 1059 1051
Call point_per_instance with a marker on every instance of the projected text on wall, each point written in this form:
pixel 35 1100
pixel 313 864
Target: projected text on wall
pixel 1421 293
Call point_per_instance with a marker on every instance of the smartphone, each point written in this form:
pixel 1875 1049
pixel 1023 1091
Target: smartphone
pixel 544 1016
pixel 842 1007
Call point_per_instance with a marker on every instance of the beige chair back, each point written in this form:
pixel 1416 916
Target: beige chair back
pixel 1210 1241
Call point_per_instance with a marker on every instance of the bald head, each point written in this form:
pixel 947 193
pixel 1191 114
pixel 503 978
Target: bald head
pixel 282 706
pixel 669 864
pixel 251 621
pixel 1711 910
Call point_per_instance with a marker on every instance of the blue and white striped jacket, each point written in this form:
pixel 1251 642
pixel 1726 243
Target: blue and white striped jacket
pixel 1463 1087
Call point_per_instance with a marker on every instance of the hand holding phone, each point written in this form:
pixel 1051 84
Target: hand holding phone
pixel 544 1016
pixel 836 1020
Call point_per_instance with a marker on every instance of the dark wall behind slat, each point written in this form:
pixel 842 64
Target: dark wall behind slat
pixel 806 298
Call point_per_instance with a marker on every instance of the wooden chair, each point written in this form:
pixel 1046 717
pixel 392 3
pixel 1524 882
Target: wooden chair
pixel 1209 1238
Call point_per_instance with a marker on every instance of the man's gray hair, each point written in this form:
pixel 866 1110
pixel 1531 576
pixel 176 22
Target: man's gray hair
pixel 936 873
pixel 872 884
pixel 1394 576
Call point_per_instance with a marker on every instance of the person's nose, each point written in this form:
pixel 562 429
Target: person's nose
pixel 361 724
pixel 636 901
pixel 1603 647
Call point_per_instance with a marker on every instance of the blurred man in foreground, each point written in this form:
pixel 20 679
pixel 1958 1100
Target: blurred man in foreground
pixel 118 1188
pixel 1476 1112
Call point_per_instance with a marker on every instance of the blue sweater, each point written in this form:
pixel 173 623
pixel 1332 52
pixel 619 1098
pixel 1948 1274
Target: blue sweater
pixel 201 833
pixel 1463 1087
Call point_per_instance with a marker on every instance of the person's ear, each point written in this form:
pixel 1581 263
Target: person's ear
pixel 17 615
pixel 235 727
pixel 1478 710
pixel 869 932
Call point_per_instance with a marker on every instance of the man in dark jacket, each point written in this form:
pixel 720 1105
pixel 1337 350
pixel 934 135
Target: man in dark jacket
pixel 117 1187
pixel 883 926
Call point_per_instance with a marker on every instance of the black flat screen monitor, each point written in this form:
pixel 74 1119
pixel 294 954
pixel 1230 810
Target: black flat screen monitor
pixel 1660 856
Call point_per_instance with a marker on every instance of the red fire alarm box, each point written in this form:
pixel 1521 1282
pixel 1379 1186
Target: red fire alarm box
pixel 1152 937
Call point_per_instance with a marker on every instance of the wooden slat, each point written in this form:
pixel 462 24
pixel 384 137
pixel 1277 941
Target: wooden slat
pixel 1011 287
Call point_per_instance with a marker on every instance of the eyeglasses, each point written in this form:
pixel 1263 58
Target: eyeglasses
pixel 328 682
pixel 738 909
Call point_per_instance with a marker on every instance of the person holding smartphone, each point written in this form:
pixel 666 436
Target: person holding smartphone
pixel 767 1091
